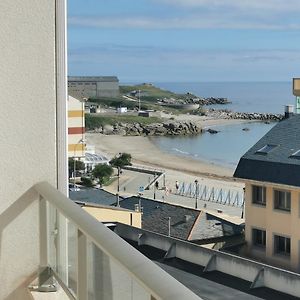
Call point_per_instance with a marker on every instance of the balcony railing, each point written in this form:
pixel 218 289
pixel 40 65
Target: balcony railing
pixel 90 261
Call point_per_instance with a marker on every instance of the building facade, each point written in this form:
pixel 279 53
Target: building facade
pixel 33 127
pixel 93 86
pixel 76 127
pixel 271 171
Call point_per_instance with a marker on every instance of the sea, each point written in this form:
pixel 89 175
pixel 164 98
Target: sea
pixel 226 147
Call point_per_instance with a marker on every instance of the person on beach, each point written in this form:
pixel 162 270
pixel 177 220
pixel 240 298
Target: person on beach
pixel 177 186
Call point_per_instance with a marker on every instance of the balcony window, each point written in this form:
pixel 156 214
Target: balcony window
pixel 282 245
pixel 259 238
pixel 282 200
pixel 259 195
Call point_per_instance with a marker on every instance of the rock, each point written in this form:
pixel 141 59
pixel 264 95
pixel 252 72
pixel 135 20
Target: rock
pixel 159 129
pixel 212 131
pixel 107 129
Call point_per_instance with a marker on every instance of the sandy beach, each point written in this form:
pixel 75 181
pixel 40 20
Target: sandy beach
pixel 144 152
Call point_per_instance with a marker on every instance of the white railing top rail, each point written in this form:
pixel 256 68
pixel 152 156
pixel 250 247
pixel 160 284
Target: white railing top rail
pixel 159 283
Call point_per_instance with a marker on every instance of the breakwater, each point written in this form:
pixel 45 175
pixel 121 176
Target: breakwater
pixel 167 128
pixel 227 114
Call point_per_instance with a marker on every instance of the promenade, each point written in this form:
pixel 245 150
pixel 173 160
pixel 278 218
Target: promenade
pixel 133 183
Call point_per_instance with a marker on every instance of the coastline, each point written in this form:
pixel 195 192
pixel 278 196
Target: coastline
pixel 145 152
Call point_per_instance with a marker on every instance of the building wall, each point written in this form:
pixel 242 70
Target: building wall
pixel 83 89
pixel 91 88
pixel 76 127
pixel 132 218
pixel 274 221
pixel 28 133
pixel 107 89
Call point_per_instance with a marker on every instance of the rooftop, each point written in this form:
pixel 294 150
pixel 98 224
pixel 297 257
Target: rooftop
pixel 275 157
pixel 96 196
pixel 211 274
pixel 94 78
pixel 186 223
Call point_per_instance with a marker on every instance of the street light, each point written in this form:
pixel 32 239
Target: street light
pixel 119 173
pixel 81 141
pixel 196 200
pixel 154 186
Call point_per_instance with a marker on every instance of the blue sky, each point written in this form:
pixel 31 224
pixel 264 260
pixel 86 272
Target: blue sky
pixel 185 40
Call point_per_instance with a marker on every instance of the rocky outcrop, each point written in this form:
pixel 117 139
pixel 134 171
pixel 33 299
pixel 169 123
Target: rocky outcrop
pixel 227 114
pixel 212 131
pixel 154 129
pixel 212 101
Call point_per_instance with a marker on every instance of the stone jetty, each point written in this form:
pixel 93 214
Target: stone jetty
pixel 172 128
pixel 227 114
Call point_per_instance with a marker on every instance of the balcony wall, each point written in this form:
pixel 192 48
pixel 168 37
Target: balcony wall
pixel 28 132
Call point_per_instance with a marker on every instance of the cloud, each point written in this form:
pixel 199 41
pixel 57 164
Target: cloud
pixel 181 55
pixel 270 5
pixel 164 64
pixel 202 14
pixel 208 21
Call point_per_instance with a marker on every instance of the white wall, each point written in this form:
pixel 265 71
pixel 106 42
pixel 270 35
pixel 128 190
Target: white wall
pixel 28 131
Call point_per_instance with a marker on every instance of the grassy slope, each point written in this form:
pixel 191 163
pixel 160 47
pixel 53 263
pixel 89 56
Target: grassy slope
pixel 95 121
pixel 153 93
pixel 147 102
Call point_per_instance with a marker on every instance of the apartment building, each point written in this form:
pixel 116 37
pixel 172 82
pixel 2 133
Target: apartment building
pixel 271 171
pixel 76 127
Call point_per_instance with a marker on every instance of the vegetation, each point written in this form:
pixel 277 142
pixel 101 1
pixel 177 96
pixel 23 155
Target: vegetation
pixel 103 173
pixel 149 96
pixel 86 181
pixel 121 160
pixel 96 121
pixel 115 102
pixel 79 166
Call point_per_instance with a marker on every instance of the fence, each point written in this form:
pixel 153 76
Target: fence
pixel 210 193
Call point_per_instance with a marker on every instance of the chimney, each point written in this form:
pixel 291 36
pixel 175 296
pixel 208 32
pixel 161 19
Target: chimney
pixel 187 218
pixel 288 111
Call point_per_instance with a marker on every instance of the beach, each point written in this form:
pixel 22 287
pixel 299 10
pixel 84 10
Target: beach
pixel 144 152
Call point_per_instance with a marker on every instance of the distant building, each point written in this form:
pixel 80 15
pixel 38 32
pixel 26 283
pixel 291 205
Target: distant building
pixel 93 86
pixel 271 171
pixel 121 110
pixel 76 128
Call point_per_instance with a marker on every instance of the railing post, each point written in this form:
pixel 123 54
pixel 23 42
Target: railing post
pixel 46 282
pixel 82 282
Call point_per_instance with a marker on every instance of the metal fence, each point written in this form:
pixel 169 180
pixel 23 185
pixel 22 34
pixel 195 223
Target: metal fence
pixel 203 192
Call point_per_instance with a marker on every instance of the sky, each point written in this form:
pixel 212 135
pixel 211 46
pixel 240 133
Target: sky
pixel 185 40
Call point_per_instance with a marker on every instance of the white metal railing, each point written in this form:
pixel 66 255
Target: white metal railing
pixel 103 265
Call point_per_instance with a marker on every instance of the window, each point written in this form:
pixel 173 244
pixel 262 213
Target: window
pixel 282 200
pixel 259 237
pixel 296 155
pixel 266 149
pixel 259 195
pixel 282 245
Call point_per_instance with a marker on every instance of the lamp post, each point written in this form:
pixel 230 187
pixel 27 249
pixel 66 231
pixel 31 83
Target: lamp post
pixel 139 100
pixel 196 198
pixel 81 141
pixel 154 186
pixel 119 173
